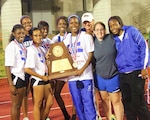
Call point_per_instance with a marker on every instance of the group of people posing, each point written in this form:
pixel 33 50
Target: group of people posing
pixel 110 65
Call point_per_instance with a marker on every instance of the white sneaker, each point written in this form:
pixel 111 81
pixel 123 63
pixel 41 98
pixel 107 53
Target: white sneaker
pixel 47 118
pixel 26 118
pixel 113 117
pixel 98 117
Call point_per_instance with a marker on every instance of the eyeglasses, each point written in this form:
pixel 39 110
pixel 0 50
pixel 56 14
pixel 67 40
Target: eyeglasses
pixel 99 30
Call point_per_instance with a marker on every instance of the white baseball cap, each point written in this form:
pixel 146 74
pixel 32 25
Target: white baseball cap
pixel 87 17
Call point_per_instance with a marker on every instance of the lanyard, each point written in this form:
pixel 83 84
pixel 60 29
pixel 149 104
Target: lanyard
pixel 41 55
pixel 23 50
pixel 73 46
pixel 45 45
pixel 59 38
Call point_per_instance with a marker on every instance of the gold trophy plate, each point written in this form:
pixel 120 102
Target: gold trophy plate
pixel 60 62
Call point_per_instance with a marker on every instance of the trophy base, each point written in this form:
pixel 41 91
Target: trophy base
pixel 62 74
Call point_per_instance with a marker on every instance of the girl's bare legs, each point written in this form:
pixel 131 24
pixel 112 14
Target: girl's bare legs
pixel 16 103
pixel 38 95
pixel 48 97
pixel 25 106
pixel 25 99
pixel 97 102
pixel 106 104
pixel 115 98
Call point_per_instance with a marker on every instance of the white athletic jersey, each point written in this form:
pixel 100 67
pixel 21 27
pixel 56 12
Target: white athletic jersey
pixel 79 47
pixel 58 38
pixel 46 42
pixel 36 60
pixel 15 57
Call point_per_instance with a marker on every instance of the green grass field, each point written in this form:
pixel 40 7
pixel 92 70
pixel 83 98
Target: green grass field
pixel 146 36
pixel 2 68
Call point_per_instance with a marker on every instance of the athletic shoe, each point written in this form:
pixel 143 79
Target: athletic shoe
pixel 47 118
pixel 113 117
pixel 99 118
pixel 26 118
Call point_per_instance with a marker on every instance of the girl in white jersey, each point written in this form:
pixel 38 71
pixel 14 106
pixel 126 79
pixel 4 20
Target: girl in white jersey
pixel 62 24
pixel 15 56
pixel 37 68
pixel 44 27
pixel 80 46
pixel 26 22
pixel 45 43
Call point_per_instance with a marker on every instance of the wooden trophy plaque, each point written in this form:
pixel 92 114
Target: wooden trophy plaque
pixel 60 62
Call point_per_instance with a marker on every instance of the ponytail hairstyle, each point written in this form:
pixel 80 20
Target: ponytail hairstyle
pixel 15 27
pixel 24 16
pixel 32 30
pixel 64 18
pixel 42 24
pixel 74 16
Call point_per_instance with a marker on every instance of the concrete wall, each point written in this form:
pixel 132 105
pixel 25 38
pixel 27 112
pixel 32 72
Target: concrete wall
pixel 102 11
pixel 133 12
pixel 10 15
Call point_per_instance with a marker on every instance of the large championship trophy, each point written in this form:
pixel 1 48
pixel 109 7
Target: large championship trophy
pixel 60 62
